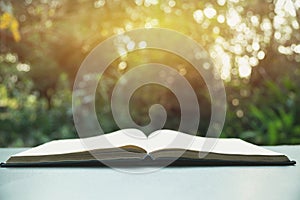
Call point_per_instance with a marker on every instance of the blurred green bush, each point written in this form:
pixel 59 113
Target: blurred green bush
pixel 268 115
pixel 27 118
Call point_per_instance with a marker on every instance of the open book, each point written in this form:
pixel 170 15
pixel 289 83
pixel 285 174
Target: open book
pixel 130 147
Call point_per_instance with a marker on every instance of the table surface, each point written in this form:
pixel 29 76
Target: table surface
pixel 261 182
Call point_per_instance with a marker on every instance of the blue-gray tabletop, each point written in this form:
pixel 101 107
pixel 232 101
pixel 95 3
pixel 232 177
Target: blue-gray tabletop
pixel 261 182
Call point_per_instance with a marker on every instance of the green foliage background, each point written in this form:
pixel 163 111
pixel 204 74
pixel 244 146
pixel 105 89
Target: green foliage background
pixel 35 104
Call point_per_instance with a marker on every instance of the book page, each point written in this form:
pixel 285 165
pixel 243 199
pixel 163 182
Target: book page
pixel 112 140
pixel 167 139
pixel 158 140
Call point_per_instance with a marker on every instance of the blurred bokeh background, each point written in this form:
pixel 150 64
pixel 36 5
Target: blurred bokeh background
pixel 255 46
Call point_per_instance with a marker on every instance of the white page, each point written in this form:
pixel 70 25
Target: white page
pixel 167 139
pixel 158 140
pixel 112 140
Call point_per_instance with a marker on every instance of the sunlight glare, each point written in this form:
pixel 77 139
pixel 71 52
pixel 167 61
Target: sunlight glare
pixel 261 55
pixel 244 71
pixel 297 49
pixel 148 3
pixel 23 67
pixel 130 45
pixel 99 3
pixel 244 67
pixel 255 20
pixel 287 5
pixel 122 65
pixel 210 12
pixel 226 67
pixel 198 16
pixel 233 17
pixel 285 50
pixel 139 2
pixel 172 3
pixel 255 46
pixel 142 45
pixel 221 19
pixel 221 2
pixel 253 61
